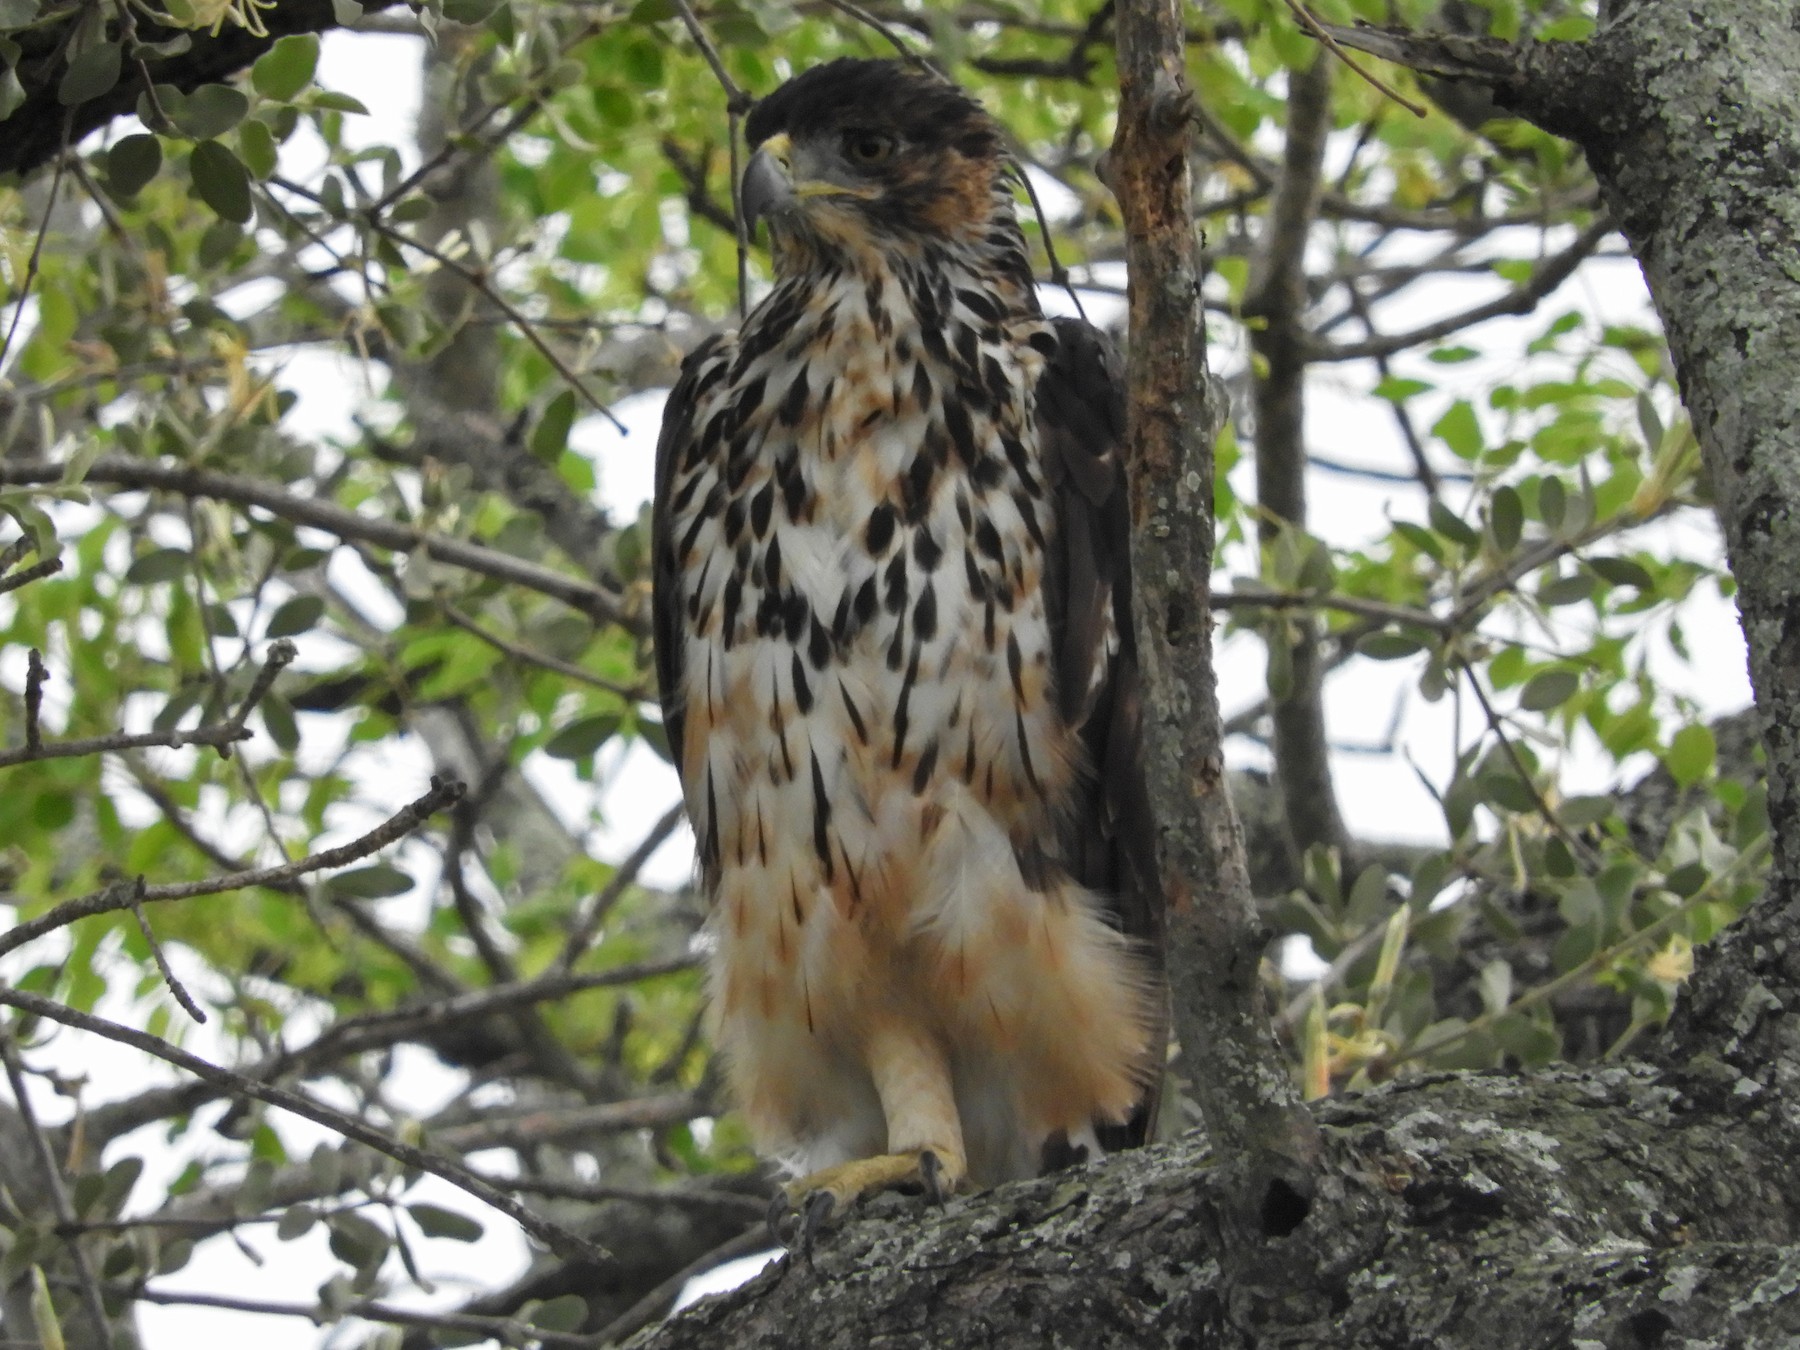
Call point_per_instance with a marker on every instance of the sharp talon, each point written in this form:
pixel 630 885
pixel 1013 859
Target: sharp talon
pixel 931 1172
pixel 815 1210
pixel 781 1219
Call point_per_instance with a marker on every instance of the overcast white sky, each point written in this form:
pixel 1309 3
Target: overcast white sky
pixel 1380 794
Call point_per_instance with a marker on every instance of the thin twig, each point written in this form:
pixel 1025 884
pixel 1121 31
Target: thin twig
pixel 1415 445
pixel 476 281
pixel 37 248
pixel 737 103
pixel 35 675
pixel 596 602
pixel 1058 273
pixel 1313 26
pixel 556 1237
pixel 622 877
pixel 1549 274
pixel 532 103
pixel 36 572
pixel 735 97
pixel 1289 1016
pixel 687 1197
pixel 868 20
pixel 653 1304
pixel 176 988
pixel 219 737
pixel 443 793
pixel 740 230
pixel 509 1331
pixel 370 1031
pixel 1544 809
pixel 555 664
pixel 1256 597
pixel 278 658
pixel 534 1128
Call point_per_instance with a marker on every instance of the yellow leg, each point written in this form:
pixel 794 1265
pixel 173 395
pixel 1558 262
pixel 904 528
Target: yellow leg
pixel 912 1078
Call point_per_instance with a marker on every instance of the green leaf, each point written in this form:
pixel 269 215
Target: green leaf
pixel 1495 983
pixel 1452 526
pixel 1389 646
pixel 163 564
pixel 1578 812
pixel 1397 389
pixel 552 431
pixel 132 163
pixel 580 739
pixel 220 181
pixel 286 68
pixel 371 883
pixel 1623 572
pixel 1691 754
pixel 1459 429
pixel 211 110
pixel 1420 538
pixel 354 1240
pixel 296 1221
pixel 566 1313
pixel 1506 518
pixel 1549 690
pixel 296 616
pixel 437 1222
pixel 1527 1040
pixel 614 105
pixel 1445 356
pixel 1506 789
pixel 256 147
pixel 17 13
pixel 12 93
pixel 90 74
pixel 278 721
pixel 1565 590
pixel 1650 423
pixel 332 101
pixel 1553 500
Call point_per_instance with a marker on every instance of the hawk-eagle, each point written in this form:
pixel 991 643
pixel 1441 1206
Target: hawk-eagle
pixel 892 627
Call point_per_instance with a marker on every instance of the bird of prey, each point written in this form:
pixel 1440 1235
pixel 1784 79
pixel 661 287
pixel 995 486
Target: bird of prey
pixel 892 631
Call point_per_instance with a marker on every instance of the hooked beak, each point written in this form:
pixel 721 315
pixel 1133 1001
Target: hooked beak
pixel 768 181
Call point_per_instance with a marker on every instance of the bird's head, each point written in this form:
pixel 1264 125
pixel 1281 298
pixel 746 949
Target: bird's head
pixel 869 154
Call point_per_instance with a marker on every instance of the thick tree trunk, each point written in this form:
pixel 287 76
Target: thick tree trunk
pixel 1626 1206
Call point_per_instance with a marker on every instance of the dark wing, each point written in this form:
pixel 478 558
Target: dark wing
pixel 674 445
pixel 1108 841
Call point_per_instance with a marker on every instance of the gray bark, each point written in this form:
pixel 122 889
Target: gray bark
pixel 1626 1207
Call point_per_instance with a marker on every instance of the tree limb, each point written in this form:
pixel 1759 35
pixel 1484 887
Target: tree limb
pixel 598 603
pixel 1215 941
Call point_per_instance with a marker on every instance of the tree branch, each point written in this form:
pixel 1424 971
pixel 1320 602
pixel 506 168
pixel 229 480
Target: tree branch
pixel 597 602
pixel 1277 295
pixel 126 894
pixel 1247 1096
pixel 556 1237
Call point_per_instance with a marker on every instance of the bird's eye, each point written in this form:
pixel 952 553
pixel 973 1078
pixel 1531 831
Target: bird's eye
pixel 868 147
